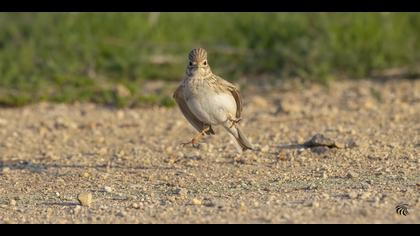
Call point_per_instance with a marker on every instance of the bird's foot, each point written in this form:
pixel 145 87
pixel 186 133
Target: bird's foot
pixel 197 138
pixel 234 121
pixel 193 142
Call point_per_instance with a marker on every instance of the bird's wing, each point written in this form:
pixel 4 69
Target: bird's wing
pixel 235 93
pixel 180 100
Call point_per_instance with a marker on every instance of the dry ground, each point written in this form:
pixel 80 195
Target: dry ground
pixel 131 161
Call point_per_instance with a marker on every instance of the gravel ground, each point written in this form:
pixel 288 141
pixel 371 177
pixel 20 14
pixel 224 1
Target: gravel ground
pixel 126 166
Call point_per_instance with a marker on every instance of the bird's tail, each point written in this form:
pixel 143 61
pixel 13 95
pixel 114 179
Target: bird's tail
pixel 242 141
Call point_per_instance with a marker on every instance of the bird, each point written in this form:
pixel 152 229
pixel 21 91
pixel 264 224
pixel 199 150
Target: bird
pixel 207 100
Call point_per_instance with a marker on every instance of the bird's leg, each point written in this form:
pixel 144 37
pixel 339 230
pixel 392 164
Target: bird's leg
pixel 197 137
pixel 234 121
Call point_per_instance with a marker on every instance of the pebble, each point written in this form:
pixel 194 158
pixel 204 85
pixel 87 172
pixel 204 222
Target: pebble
pixel 266 148
pixel 180 191
pixel 352 195
pixel 51 156
pixel 314 204
pixel 325 196
pixel 311 186
pixel 289 107
pixel 122 91
pixel 6 170
pixel 259 101
pixel 121 214
pixel 12 202
pixel 62 123
pixel 103 151
pixel 120 115
pixel 319 150
pixel 243 207
pixel 85 199
pixel 108 189
pixel 3 122
pixel 135 206
pixel 351 174
pixel 86 175
pixel 365 195
pixel 77 209
pixel 203 146
pixel 196 201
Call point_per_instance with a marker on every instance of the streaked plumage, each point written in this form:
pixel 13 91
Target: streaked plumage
pixel 206 100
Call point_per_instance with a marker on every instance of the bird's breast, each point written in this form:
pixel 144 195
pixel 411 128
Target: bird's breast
pixel 208 103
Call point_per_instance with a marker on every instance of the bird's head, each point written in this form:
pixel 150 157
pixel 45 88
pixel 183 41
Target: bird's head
pixel 198 61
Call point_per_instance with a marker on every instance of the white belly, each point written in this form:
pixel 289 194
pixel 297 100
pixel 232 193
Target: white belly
pixel 211 107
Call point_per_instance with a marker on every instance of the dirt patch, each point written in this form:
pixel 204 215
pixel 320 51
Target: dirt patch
pixel 136 171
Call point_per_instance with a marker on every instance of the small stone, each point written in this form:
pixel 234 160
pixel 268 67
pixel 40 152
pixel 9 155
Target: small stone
pixel 363 212
pixel 77 209
pixel 120 114
pixel 122 91
pixel 311 186
pixel 352 174
pixel 351 144
pixel 3 122
pixel 314 204
pixel 203 146
pixel 266 148
pixel 86 175
pixel 120 154
pixel 340 145
pixel 85 199
pixel 352 195
pixel 66 124
pixel 135 206
pixel 196 201
pixel 243 207
pixel 12 202
pixel 6 170
pixel 121 214
pixel 103 151
pixel 365 195
pixel 319 140
pixel 51 156
pixel 180 154
pixel 180 191
pixel 319 150
pixel 289 107
pixel 108 189
pixel 259 101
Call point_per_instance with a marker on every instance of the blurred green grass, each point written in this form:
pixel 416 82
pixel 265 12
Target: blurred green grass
pixel 89 57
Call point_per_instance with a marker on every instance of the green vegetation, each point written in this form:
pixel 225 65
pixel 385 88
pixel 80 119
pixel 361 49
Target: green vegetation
pixel 68 57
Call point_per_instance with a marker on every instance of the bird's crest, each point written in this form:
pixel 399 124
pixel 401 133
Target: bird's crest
pixel 197 54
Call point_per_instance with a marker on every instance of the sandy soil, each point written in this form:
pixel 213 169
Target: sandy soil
pixel 131 162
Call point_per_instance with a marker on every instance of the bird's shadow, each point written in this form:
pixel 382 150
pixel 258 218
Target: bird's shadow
pixel 65 204
pixel 43 167
pixel 291 146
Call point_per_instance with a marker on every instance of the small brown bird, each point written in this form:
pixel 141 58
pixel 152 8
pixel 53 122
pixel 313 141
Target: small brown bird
pixel 207 100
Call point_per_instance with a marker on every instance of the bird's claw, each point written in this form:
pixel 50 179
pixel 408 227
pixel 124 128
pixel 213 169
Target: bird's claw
pixel 234 121
pixel 192 142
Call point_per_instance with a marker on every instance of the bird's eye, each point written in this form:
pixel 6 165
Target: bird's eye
pixel 205 63
pixel 191 63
